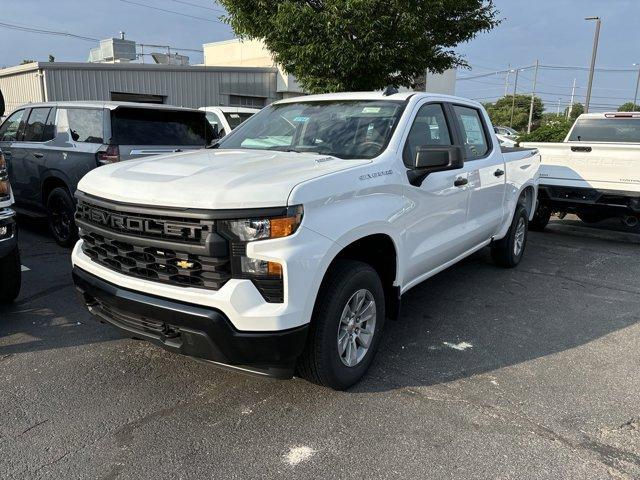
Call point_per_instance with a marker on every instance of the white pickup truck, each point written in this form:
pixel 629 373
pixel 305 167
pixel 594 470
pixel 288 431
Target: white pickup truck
pixel 595 173
pixel 284 247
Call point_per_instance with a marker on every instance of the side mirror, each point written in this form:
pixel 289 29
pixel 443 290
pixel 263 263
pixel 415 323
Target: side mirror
pixel 435 158
pixel 216 133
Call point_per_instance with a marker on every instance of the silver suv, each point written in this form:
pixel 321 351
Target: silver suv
pixel 50 146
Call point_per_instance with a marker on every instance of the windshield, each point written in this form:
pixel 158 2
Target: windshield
pixel 609 130
pixel 344 129
pixel 236 119
pixel 140 126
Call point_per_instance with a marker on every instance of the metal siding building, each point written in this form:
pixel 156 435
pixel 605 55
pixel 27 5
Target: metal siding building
pixel 185 86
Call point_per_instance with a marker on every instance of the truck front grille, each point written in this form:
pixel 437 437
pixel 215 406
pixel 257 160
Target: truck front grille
pixel 168 248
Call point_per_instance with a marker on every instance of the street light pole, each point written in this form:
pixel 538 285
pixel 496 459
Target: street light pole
pixel 594 53
pixel 533 97
pixel 513 101
pixel 635 98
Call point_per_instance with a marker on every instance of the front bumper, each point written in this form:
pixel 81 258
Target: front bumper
pixel 583 200
pixel 191 330
pixel 9 240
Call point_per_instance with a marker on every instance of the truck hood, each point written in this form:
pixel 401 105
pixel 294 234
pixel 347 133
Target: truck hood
pixel 211 179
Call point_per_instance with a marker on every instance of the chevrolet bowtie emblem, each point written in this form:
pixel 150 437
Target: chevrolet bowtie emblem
pixel 184 264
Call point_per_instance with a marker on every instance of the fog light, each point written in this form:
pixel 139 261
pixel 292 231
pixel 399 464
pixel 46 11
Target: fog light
pixel 5 232
pixel 253 266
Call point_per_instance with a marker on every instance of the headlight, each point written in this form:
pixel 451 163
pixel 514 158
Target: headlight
pixel 252 229
pixel 266 275
pixel 4 187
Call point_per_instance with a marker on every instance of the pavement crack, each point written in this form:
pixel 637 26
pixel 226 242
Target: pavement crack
pixel 34 426
pixel 581 283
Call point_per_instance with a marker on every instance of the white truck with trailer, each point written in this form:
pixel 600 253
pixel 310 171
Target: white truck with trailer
pixel 283 248
pixel 594 173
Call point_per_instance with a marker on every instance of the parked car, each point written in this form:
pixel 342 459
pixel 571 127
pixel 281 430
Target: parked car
pixel 51 146
pixel 285 246
pixel 10 267
pixel 225 119
pixel 506 131
pixel 594 173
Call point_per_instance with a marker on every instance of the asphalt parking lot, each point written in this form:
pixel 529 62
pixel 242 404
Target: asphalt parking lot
pixel 491 373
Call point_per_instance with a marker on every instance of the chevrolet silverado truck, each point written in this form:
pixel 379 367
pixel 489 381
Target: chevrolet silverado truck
pixel 283 248
pixel 594 173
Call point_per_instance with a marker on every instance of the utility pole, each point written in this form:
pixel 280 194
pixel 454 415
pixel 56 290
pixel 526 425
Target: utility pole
pixel 533 96
pixel 506 81
pixel 558 113
pixel 513 101
pixel 594 54
pixel 573 94
pixel 635 98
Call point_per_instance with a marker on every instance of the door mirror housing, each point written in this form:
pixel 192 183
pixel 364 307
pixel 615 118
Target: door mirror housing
pixel 435 158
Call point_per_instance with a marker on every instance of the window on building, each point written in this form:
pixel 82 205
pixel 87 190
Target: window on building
pixel 244 101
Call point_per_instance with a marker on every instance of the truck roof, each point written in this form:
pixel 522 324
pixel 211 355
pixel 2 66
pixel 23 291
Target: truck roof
pixel 111 105
pixel 603 115
pixel 402 96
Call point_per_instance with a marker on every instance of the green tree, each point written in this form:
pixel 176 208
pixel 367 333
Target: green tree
pixel 629 107
pixel 553 129
pixel 339 45
pixel 500 111
pixel 576 111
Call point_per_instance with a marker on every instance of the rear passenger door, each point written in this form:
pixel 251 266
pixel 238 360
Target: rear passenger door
pixel 485 164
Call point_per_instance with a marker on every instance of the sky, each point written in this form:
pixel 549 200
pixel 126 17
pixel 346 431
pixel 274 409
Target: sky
pixel 551 31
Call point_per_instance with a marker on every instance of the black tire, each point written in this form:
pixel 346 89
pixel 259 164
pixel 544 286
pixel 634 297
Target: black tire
pixel 60 212
pixel 504 251
pixel 321 361
pixel 540 219
pixel 10 277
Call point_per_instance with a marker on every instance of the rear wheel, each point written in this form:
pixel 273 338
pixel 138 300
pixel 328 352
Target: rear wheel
pixel 508 251
pixel 60 212
pixel 10 277
pixel 540 218
pixel 346 326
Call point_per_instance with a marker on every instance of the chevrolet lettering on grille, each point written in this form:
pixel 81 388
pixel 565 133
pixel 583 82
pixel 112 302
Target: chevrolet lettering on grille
pixel 142 225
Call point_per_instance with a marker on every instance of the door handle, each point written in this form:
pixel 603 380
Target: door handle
pixel 38 155
pixel 460 182
pixel 498 173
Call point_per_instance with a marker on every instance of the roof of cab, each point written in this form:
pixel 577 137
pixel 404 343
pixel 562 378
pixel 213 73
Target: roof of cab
pixel 110 105
pixel 402 96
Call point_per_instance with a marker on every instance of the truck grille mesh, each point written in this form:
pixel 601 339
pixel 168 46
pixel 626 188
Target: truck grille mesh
pixel 160 265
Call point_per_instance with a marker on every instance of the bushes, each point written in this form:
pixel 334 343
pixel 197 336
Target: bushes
pixel 554 130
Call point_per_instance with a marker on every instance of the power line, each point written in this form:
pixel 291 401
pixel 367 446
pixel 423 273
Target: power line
pixel 173 12
pixel 199 6
pixel 42 31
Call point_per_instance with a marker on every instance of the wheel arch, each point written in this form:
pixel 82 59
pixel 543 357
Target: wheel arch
pixel 50 183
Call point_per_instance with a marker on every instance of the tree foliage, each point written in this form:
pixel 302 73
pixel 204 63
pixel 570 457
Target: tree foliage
pixel 629 107
pixel 576 111
pixel 553 129
pixel 500 111
pixel 341 45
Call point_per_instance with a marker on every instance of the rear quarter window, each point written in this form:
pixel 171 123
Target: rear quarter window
pixel 85 125
pixel 139 126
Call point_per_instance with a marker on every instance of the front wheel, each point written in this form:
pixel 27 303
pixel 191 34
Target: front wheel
pixel 346 326
pixel 10 277
pixel 60 211
pixel 508 251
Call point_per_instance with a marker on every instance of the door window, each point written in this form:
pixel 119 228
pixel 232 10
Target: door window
pixel 11 127
pixel 82 124
pixel 429 128
pixel 36 129
pixel 471 126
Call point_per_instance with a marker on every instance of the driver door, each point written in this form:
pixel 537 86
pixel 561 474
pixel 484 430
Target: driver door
pixel 436 228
